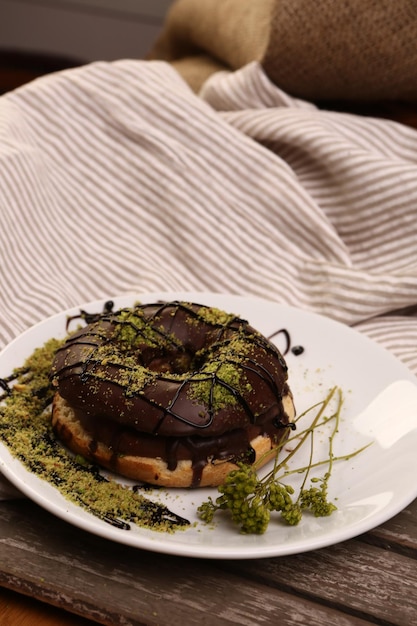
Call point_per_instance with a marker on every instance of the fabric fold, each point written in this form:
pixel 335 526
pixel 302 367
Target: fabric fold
pixel 134 182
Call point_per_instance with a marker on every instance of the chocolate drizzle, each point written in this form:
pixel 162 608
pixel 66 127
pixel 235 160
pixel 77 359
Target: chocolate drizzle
pixel 296 350
pixel 25 428
pixel 174 380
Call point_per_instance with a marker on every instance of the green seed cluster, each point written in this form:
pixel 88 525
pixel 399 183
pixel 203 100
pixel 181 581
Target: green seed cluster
pixel 315 499
pixel 251 500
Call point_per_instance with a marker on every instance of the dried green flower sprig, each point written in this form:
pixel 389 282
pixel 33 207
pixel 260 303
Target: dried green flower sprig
pixel 250 500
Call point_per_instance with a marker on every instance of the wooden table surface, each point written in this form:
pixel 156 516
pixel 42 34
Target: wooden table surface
pixel 368 580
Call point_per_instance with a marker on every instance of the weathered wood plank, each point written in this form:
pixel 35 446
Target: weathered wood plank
pixel 19 610
pixel 113 584
pixel 363 579
pixel 399 533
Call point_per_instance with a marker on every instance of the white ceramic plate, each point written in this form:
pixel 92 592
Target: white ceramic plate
pixel 380 406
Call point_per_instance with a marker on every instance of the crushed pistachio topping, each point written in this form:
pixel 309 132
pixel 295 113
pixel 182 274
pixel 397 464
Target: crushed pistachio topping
pixel 25 428
pixel 215 316
pixel 219 382
pixel 130 374
pixel 134 329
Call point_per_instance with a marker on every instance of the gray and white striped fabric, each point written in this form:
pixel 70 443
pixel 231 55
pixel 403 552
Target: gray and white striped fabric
pixel 115 177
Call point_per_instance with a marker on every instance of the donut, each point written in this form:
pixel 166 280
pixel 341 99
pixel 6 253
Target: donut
pixel 171 393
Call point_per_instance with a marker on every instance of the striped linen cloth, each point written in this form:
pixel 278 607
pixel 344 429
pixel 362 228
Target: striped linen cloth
pixel 116 177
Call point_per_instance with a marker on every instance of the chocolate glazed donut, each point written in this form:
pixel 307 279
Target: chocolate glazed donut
pixel 178 382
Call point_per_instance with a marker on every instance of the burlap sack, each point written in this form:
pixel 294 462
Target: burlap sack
pixel 352 50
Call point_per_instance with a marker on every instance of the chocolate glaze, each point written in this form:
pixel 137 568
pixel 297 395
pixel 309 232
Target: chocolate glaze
pixel 177 345
pixel 297 350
